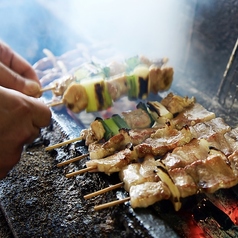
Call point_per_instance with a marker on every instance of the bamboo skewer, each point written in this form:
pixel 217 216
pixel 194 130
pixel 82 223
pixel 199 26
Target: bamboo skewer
pixel 72 160
pixel 118 185
pixel 81 171
pixel 230 61
pixel 54 104
pixel 63 143
pixel 47 89
pixel 111 204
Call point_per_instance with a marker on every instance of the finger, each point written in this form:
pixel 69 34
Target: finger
pixel 12 80
pixel 17 63
pixel 41 114
pixel 35 132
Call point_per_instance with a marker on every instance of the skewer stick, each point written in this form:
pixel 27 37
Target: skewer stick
pixel 47 89
pixel 118 185
pixel 231 58
pixel 111 204
pixel 72 160
pixel 63 143
pixel 54 104
pixel 81 171
pixel 230 61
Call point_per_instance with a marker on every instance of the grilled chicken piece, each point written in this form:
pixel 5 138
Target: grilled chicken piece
pixel 119 142
pixel 115 143
pixel 148 193
pixel 94 133
pixel 117 87
pixel 137 119
pixel 176 104
pixel 191 116
pixel 62 84
pixel 160 79
pixel 75 97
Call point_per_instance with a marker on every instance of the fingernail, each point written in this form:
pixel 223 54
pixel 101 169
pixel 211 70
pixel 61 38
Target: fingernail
pixel 32 88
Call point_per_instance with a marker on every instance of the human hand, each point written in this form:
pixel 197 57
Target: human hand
pixel 16 73
pixel 21 118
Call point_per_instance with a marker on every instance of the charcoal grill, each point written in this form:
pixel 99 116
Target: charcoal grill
pixel 38 201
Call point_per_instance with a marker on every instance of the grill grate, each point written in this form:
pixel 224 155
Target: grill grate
pixel 228 90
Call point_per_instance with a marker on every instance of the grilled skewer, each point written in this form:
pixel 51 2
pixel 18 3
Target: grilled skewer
pixel 153 114
pixel 98 93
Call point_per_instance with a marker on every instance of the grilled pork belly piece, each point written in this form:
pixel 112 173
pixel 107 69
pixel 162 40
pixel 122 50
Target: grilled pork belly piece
pixel 232 138
pixel 191 116
pixel 213 173
pixel 139 135
pixel 213 131
pixel 208 128
pixel 197 149
pixel 113 163
pixel 164 140
pixel 233 162
pixel 183 181
pixel 137 173
pixel 148 193
pixel 157 145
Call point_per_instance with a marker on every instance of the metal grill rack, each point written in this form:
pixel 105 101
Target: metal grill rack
pixel 227 95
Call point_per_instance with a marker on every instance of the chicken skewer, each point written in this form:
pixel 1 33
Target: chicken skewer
pixel 97 93
pixel 91 69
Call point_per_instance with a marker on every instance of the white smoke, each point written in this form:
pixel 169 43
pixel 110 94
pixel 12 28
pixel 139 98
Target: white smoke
pixel 156 28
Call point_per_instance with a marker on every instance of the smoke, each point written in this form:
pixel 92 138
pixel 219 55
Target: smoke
pixel 156 28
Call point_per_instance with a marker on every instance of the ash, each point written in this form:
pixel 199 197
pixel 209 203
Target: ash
pixel 39 201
